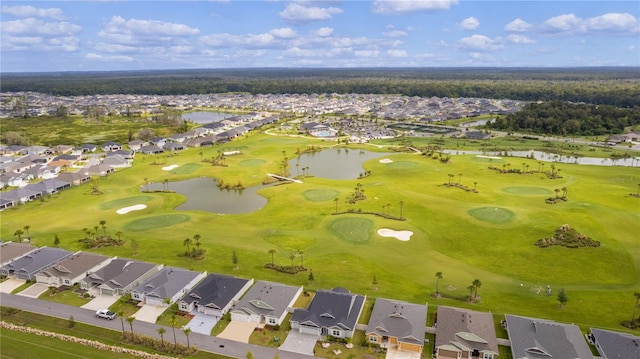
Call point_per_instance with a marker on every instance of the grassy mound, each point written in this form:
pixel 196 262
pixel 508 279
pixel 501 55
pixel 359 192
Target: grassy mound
pixel 125 202
pixel 355 230
pixel 320 195
pixel 528 191
pixel 492 214
pixel 567 237
pixel 145 224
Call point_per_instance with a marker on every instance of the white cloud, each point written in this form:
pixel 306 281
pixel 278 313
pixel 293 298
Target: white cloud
pixel 297 13
pixel 397 53
pixel 563 23
pixel 480 43
pixel 30 11
pixel 518 25
pixel 134 30
pixel 394 7
pixel 32 26
pixel 395 33
pixel 39 35
pixel 366 53
pixel 324 32
pixel 470 23
pixel 94 56
pixel 520 39
pixel 284 32
pixel 614 22
pixel 248 41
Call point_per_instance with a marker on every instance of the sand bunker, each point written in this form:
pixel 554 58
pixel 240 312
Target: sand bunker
pixel 169 168
pixel 490 157
pixel 386 160
pixel 137 207
pixel 400 235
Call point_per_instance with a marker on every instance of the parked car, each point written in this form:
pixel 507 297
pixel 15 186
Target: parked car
pixel 106 314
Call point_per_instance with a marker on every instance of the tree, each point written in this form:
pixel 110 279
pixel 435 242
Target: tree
pixel 375 280
pixel 635 307
pixel 119 235
pixel 196 238
pixel 336 201
pixel 186 332
pixel 470 288
pixel 272 252
pixel 301 254
pixel 134 246
pixel 564 192
pixel 72 322
pixel 438 277
pixel 292 257
pixel 104 228
pixel 173 327
pixel 249 355
pixel 130 321
pixel 562 298
pixel 476 284
pixel 234 259
pixel 56 240
pixel 26 229
pixel 161 331
pixel 556 191
pixel 121 315
pixel 19 234
pixel 187 242
pixel 311 277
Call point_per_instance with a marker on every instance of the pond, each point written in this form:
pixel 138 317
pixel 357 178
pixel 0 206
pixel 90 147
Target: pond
pixel 337 164
pixel 550 157
pixel 206 117
pixel 203 194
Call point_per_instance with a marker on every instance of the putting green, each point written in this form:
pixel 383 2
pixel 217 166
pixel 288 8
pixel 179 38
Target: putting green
pixel 290 242
pixel 144 224
pixel 402 164
pixel 355 230
pixel 320 195
pixel 186 169
pixel 528 191
pixel 251 163
pixel 491 214
pixel 125 202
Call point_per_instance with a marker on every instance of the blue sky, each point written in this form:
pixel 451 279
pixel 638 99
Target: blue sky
pixel 142 35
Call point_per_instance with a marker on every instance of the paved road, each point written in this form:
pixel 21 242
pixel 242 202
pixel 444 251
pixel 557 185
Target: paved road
pixel 203 342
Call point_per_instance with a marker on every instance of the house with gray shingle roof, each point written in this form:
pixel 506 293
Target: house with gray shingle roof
pixel 266 303
pixel 72 269
pixel 395 324
pixel 463 333
pixel 615 345
pixel 27 266
pixel 171 283
pixel 332 312
pixel 12 250
pixel 120 276
pixel 539 338
pixel 215 294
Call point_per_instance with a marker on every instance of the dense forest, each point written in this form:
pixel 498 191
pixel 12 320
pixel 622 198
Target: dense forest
pixel 562 118
pixel 612 86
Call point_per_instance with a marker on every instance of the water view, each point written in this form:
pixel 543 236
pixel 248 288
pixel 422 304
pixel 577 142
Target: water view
pixel 205 117
pixel 337 164
pixel 550 157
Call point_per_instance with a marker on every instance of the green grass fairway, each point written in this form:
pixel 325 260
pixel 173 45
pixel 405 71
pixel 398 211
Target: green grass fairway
pixel 288 242
pixel 320 195
pixel 355 230
pixel 528 191
pixel 125 202
pixel 255 162
pixel 402 164
pixel 145 224
pixel 186 169
pixel 492 214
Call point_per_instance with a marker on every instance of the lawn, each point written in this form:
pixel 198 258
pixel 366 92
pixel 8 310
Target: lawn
pixel 454 233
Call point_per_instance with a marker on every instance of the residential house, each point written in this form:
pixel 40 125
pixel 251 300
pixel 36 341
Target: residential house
pixel 332 312
pixel 110 146
pixel 170 283
pixel 615 345
pixel 266 303
pixel 75 178
pixel 177 137
pixel 463 333
pixel 88 147
pixel 116 161
pixel 539 338
pixel 397 325
pixel 27 266
pixel 136 145
pixel 62 149
pixel 49 186
pixel 158 141
pixel 12 250
pixel 173 146
pixel 126 154
pixel 99 170
pixel 215 294
pixel 72 269
pixel 151 150
pixel 36 150
pixel 20 195
pixel 64 160
pixel 120 276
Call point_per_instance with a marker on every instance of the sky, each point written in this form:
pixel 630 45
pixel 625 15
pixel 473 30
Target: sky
pixel 51 36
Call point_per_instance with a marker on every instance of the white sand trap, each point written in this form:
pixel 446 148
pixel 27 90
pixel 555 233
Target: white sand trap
pixel 137 207
pixel 386 160
pixel 490 157
pixel 169 168
pixel 400 235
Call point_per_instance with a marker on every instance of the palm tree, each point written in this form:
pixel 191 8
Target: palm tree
pixel 475 185
pixel 196 238
pixel 635 307
pixel 292 257
pixel 104 229
pixel 336 201
pixel 86 232
pixel 301 254
pixel 476 284
pixel 19 234
pixel 130 321
pixel 119 235
pixel 470 288
pixel 438 277
pixel 388 205
pixel 401 204
pixel 272 252
pixel 564 192
pixel 173 327
pixel 556 191
pixel 459 178
pixel 186 333
pixel 161 331
pixel 187 242
pixel 26 229
pixel 121 315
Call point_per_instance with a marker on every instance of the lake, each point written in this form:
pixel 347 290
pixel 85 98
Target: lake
pixel 337 164
pixel 206 117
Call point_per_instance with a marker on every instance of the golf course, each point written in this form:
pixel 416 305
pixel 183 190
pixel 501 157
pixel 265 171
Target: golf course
pixel 457 217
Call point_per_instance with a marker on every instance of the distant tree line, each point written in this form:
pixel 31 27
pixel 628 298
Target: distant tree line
pixel 562 118
pixel 618 86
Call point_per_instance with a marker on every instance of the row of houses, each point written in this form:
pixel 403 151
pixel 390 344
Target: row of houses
pixel 393 324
